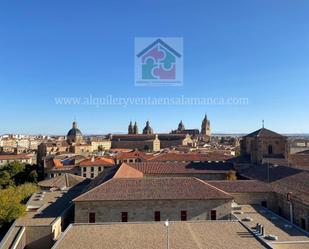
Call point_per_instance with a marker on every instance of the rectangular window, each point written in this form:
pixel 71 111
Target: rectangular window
pixel 84 175
pixel 92 169
pixel 85 169
pixel 100 168
pixel 213 214
pixel 92 175
pixel 183 215
pixel 280 211
pixel 303 223
pixel 91 217
pixel 124 216
pixel 157 216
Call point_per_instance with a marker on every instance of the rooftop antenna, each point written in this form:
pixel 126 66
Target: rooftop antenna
pixel 263 123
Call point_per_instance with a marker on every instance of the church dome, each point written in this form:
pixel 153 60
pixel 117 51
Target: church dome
pixel 74 135
pixel 74 131
pixel 147 129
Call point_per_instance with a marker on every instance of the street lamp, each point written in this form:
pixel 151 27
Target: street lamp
pixel 167 224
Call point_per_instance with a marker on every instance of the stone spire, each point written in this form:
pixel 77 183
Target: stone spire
pixel 135 128
pixel 130 128
pixel 181 126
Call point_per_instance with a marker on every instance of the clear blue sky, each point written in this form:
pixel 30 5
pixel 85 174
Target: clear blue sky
pixel 257 49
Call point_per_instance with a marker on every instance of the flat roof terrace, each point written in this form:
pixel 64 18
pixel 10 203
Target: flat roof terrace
pixel 289 236
pixel 153 235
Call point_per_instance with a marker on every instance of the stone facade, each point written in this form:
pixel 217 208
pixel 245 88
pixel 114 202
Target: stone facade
pixel 111 211
pixel 263 144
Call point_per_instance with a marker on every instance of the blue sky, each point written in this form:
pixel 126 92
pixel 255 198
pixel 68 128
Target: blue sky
pixel 257 49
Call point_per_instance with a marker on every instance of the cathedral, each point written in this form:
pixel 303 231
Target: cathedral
pixel 203 135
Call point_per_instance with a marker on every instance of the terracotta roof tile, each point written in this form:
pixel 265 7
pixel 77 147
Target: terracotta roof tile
pixel 97 162
pixel 242 186
pixel 177 188
pixel 181 168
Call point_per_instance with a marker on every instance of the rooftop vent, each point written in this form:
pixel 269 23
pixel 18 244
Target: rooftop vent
pixel 271 237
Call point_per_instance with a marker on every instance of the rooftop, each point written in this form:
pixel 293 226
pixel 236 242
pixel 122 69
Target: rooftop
pixel 97 162
pixel 181 168
pixel 152 235
pixel 263 132
pixel 288 235
pixel 63 181
pixel 169 188
pixel 242 186
pixel 190 157
pixel 44 207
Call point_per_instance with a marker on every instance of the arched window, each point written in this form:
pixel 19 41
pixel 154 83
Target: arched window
pixel 270 149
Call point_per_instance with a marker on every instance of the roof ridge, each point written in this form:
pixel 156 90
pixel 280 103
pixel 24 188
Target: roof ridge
pixel 213 187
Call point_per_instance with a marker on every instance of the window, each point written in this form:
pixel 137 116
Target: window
pixel 183 215
pixel 92 175
pixel 264 204
pixel 100 168
pixel 157 216
pixel 124 216
pixel 303 223
pixel 91 217
pixel 51 175
pixel 270 149
pixel 92 169
pixel 84 175
pixel 85 169
pixel 280 211
pixel 213 214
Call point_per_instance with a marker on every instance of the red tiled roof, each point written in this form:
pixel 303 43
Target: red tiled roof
pixel 133 154
pixel 190 157
pixel 97 162
pixel 283 180
pixel 242 186
pixel 178 188
pixel 57 163
pixel 14 157
pixel 180 168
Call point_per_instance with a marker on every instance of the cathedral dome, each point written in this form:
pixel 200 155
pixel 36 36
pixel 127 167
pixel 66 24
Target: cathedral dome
pixel 74 131
pixel 74 135
pixel 147 130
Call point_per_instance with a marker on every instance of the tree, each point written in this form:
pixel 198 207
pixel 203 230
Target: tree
pixel 33 176
pixel 5 179
pixel 10 206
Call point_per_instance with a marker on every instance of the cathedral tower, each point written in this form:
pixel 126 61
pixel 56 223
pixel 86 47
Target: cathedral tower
pixel 205 129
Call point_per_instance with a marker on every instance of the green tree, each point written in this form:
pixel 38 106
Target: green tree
pixel 33 176
pixel 5 179
pixel 10 206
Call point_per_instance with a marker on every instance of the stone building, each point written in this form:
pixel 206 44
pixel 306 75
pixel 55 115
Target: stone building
pixel 152 199
pixel 136 141
pixel 203 171
pixel 90 168
pixel 263 144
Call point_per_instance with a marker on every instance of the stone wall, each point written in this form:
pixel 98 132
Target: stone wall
pixel 300 211
pixel 256 198
pixel 110 211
